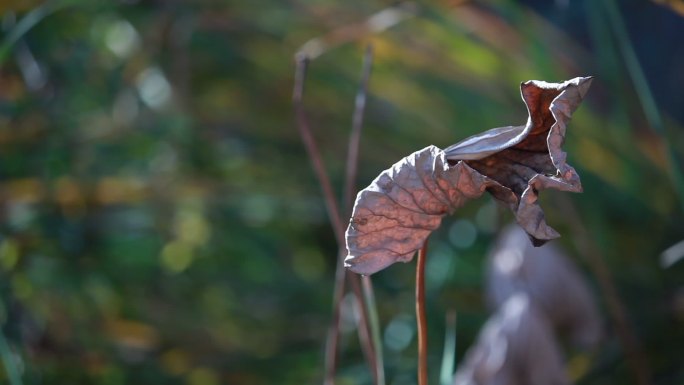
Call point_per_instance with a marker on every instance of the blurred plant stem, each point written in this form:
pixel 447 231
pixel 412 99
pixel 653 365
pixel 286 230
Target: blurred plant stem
pixel 643 90
pixel 586 246
pixel 446 373
pixel 29 21
pixel 374 320
pixel 355 134
pixel 376 23
pixel 420 315
pixel 369 334
pixel 312 150
pixel 371 314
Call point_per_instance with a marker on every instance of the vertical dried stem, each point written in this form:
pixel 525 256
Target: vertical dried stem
pixel 312 149
pixel 333 335
pixel 336 223
pixel 333 214
pixel 446 374
pixel 355 135
pixel 420 315
pixel 364 323
pixel 366 287
pixel 374 327
pixel 635 357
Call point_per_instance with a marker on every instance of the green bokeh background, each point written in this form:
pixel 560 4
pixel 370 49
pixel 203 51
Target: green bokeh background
pixel 160 221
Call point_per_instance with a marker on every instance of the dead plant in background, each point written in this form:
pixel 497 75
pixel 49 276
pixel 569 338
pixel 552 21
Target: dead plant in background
pixel 537 294
pixel 393 217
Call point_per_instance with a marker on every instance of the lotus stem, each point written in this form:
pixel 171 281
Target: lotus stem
pixel 420 316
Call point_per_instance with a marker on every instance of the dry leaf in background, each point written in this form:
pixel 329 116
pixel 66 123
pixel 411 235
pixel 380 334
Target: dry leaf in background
pixel 395 214
pixel 515 347
pixel 550 279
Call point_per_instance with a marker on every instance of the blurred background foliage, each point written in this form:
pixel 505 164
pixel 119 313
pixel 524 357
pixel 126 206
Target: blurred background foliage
pixel 160 223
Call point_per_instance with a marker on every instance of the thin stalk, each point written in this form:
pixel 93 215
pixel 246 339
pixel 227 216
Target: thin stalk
pixel 366 287
pixel 364 323
pixel 376 23
pixel 333 215
pixel 312 150
pixel 635 357
pixel 336 223
pixel 446 373
pixel 29 21
pixel 420 316
pixel 374 321
pixel 333 335
pixel 355 134
pixel 648 103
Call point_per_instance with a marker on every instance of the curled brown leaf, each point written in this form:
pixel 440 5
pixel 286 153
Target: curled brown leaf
pixel 395 214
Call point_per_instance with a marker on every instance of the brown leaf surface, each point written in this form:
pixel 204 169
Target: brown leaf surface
pixel 395 214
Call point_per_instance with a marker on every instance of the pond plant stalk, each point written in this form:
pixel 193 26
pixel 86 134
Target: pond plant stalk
pixel 421 319
pixel 361 287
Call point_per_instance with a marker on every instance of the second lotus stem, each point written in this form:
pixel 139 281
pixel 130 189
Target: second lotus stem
pixel 420 315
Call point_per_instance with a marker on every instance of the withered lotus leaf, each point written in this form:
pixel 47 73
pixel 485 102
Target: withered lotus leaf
pixel 395 214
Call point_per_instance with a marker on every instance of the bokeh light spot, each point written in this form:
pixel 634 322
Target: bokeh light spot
pixel 399 333
pixel 191 227
pixel 121 38
pixel 439 265
pixel 154 89
pixel 462 233
pixel 176 256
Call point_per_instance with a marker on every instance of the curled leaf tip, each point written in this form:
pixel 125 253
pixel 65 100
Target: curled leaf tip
pixel 394 215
